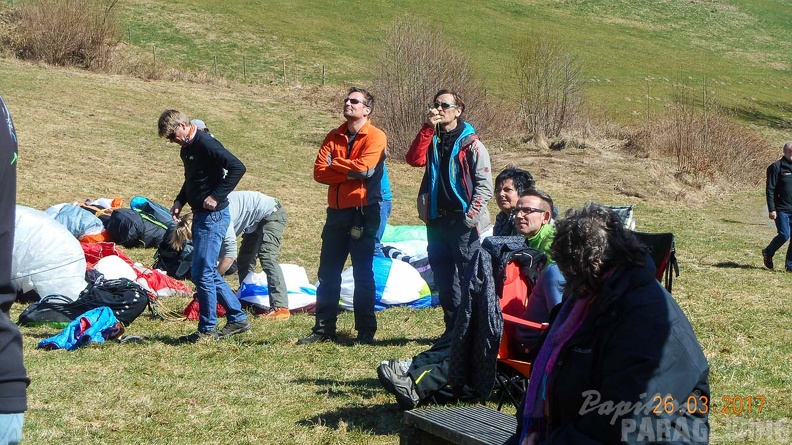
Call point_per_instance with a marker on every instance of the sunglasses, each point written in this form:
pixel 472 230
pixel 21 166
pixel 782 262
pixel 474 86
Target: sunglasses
pixel 171 136
pixel 354 101
pixel 443 105
pixel 527 210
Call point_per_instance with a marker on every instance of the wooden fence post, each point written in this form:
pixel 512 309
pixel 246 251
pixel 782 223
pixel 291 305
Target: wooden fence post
pixel 215 65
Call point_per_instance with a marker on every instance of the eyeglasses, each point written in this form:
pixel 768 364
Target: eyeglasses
pixel 527 210
pixel 443 105
pixel 354 101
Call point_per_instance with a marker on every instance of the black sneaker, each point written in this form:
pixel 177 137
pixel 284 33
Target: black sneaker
pixel 316 338
pixel 364 338
pixel 398 384
pixel 198 336
pixel 767 260
pixel 234 328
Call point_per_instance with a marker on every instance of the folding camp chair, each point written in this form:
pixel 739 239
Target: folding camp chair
pixel 512 372
pixel 663 253
pixel 625 214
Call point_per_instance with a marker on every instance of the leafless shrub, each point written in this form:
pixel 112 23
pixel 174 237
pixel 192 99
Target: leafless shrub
pixel 81 33
pixel 549 85
pixel 416 61
pixel 706 142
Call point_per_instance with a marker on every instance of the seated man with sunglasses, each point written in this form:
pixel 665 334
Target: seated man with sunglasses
pixel 452 200
pixel 424 378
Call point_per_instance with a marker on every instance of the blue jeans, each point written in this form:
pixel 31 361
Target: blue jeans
pixel 207 230
pixel 783 224
pixel 337 244
pixel 11 428
pixel 385 211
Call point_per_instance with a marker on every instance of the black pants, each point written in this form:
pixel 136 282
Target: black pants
pixel 337 244
pixel 451 245
pixel 429 371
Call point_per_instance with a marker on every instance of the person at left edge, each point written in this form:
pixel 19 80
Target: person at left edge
pixel 13 377
pixel 210 173
pixel 350 162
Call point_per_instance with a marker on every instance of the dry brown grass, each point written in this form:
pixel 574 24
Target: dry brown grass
pixel 708 147
pixel 80 33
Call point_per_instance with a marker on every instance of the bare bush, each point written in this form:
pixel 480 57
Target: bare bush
pixel 79 33
pixel 549 85
pixel 416 62
pixel 706 142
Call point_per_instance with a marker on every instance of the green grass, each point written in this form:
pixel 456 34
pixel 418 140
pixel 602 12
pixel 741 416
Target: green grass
pixel 85 135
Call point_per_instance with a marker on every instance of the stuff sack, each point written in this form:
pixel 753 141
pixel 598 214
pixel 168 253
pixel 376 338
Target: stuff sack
pixel 153 211
pixel 128 228
pixel 49 311
pixel 125 227
pixel 124 297
pixel 175 263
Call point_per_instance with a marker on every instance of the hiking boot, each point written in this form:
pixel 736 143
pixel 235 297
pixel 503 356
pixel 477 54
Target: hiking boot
pixel 234 328
pixel 199 336
pixel 767 260
pixel 398 384
pixel 280 313
pixel 364 338
pixel 316 338
pixel 400 367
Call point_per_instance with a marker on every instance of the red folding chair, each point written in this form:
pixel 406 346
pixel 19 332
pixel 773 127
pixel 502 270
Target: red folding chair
pixel 512 372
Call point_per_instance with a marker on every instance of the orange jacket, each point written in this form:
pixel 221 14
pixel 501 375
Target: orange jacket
pixel 355 176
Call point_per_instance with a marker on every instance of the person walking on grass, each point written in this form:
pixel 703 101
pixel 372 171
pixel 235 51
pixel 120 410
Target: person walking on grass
pixel 778 190
pixel 454 192
pixel 210 173
pixel 261 220
pixel 350 161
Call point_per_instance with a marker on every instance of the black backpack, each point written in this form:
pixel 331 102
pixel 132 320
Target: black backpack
pixel 175 263
pixel 124 297
pixel 130 229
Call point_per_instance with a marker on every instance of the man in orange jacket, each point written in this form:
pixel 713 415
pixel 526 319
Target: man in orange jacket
pixel 350 162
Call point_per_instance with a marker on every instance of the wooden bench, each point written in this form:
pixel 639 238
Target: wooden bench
pixel 463 425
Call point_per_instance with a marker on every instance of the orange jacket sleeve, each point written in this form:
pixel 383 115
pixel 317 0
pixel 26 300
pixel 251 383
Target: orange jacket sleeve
pixel 416 156
pixel 322 171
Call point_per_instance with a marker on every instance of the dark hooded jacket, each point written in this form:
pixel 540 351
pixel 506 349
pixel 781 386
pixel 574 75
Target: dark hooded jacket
pixel 635 346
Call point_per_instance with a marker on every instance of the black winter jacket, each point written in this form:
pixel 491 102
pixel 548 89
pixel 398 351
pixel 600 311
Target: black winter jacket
pixel 478 323
pixel 778 186
pixel 204 159
pixel 636 346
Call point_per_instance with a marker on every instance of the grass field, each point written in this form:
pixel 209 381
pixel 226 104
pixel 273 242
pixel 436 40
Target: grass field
pixel 86 135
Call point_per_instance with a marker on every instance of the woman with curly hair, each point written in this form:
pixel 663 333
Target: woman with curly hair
pixel 620 363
